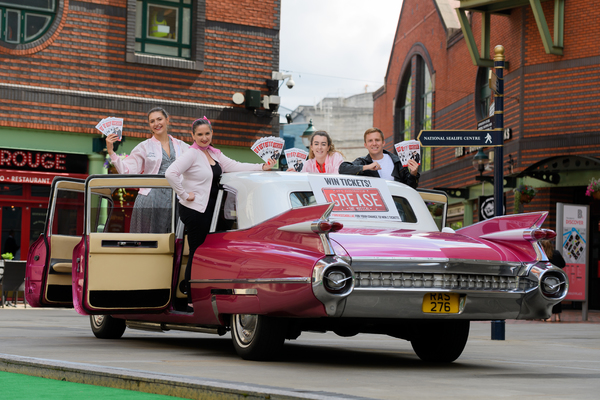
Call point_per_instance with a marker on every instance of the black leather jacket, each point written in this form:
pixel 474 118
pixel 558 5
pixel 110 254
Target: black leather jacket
pixel 400 173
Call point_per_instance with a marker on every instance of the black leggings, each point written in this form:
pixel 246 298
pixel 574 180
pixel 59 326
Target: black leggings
pixel 197 225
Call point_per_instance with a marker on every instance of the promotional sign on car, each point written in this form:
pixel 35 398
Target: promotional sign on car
pixel 354 197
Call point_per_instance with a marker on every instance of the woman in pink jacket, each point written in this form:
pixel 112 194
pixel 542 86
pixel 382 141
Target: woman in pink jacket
pixel 152 208
pixel 201 168
pixel 322 156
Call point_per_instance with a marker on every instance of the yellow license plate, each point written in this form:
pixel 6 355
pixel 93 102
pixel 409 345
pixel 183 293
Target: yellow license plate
pixel 441 303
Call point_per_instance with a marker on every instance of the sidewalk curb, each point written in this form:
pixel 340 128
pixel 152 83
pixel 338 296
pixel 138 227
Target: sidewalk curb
pixel 149 382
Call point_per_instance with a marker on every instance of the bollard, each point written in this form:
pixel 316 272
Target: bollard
pixel 498 329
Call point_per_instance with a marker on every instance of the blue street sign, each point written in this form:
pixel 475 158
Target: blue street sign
pixel 463 138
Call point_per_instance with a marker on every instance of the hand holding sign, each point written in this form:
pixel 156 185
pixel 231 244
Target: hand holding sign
pixel 268 148
pixel 409 150
pixel 295 157
pixel 111 125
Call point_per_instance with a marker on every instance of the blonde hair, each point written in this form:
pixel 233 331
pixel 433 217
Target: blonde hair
pixel 329 143
pixel 371 130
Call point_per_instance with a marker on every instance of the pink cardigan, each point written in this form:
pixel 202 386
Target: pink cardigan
pixel 145 158
pixel 197 175
pixel 332 163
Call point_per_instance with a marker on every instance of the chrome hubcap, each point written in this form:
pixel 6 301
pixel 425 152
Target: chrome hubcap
pixel 245 326
pixel 98 320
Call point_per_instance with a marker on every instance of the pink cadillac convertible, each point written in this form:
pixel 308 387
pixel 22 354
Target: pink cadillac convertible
pixel 289 253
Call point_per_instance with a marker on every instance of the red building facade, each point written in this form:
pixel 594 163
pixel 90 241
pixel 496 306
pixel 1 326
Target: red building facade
pixel 67 64
pixel 437 78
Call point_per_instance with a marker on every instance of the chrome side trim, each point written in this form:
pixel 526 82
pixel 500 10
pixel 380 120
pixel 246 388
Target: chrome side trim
pixel 245 291
pixel 213 301
pixel 302 280
pixel 162 327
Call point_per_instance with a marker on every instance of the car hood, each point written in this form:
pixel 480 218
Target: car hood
pixel 406 243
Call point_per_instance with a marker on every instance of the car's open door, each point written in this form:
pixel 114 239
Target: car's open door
pixel 120 270
pixel 50 259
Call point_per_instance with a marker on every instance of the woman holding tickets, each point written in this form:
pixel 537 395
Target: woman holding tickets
pixel 201 168
pixel 322 156
pixel 152 209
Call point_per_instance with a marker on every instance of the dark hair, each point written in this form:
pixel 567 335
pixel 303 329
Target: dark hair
pixel 329 143
pixel 548 248
pixel 201 121
pixel 371 130
pixel 159 109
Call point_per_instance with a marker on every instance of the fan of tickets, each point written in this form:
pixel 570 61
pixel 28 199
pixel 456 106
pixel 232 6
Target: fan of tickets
pixel 268 148
pixel 409 150
pixel 295 157
pixel 111 125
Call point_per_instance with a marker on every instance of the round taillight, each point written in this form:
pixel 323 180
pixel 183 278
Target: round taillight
pixel 538 234
pixel 324 226
pixel 336 226
pixel 534 235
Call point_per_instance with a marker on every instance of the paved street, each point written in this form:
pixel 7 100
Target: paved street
pixel 537 359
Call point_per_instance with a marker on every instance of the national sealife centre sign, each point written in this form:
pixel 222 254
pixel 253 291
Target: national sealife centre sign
pixel 461 138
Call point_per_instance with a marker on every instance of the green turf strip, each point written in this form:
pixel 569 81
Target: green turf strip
pixel 25 387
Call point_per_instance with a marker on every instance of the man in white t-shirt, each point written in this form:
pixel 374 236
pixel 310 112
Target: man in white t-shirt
pixel 381 163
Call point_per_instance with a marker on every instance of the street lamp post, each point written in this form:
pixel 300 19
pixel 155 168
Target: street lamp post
pixel 307 134
pixel 498 326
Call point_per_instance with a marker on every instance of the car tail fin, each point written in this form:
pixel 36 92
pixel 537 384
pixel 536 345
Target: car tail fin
pixel 512 231
pixel 310 220
pixel 320 225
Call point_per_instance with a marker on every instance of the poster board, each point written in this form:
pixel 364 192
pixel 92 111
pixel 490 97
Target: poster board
pixel 572 242
pixel 355 197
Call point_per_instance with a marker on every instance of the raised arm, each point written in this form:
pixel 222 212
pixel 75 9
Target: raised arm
pixel 132 164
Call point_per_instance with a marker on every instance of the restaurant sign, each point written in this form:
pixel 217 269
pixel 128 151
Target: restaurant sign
pixel 43 161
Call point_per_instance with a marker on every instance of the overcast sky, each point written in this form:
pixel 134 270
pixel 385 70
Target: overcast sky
pixel 334 47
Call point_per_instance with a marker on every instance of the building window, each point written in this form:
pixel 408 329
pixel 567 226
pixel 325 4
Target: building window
pixel 425 109
pixel 164 27
pixel 405 112
pixel 24 21
pixel 418 102
pixel 483 94
pixel 166 33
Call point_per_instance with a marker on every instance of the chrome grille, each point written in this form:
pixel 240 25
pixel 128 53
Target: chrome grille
pixel 435 281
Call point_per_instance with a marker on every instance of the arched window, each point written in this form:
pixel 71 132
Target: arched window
pixel 23 21
pixel 425 109
pixel 405 112
pixel 415 100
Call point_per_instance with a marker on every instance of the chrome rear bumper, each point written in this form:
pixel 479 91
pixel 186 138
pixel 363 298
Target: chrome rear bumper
pixel 489 291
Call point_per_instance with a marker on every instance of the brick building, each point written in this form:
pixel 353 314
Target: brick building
pixel 67 64
pixel 437 78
